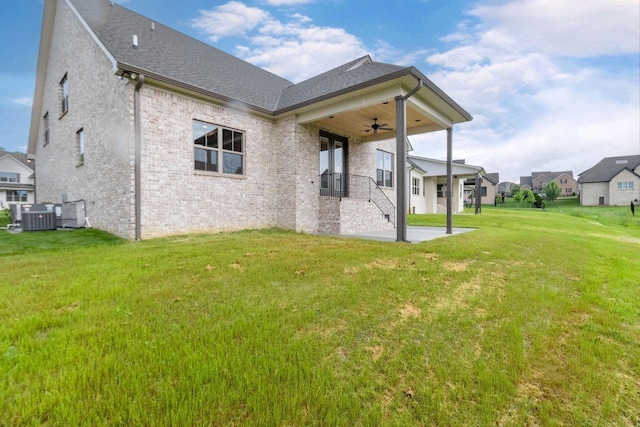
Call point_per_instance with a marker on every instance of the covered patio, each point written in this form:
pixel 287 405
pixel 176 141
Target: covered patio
pixel 377 102
pixel 415 234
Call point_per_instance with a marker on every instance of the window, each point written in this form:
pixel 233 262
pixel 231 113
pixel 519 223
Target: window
pixel 569 190
pixel 563 180
pixel 384 169
pixel 215 146
pixel 64 95
pixel 45 128
pixel 9 177
pixel 16 196
pixel 415 187
pixel 442 190
pixel 483 192
pixel 80 146
pixel 625 185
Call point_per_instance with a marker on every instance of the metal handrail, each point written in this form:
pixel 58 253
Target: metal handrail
pixel 338 185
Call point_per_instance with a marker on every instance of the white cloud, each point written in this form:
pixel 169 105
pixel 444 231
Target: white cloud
pixel 296 49
pixel 517 67
pixel 231 19
pixel 286 2
pixel 23 102
pixel 585 28
pixel 521 73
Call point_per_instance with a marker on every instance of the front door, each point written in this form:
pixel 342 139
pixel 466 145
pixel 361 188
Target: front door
pixel 333 165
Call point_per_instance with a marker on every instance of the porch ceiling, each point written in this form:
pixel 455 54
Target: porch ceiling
pixel 355 122
pixel 351 112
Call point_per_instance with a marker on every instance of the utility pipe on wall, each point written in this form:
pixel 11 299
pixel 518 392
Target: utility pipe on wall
pixel 138 155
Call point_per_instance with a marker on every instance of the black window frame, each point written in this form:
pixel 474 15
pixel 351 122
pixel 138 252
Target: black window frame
pixel 80 146
pixel 220 150
pixel 64 95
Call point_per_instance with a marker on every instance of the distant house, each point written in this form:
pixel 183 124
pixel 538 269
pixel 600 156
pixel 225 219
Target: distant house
pixel 428 179
pixel 536 182
pixel 162 134
pixel 614 181
pixel 504 188
pixel 16 179
pixel 488 187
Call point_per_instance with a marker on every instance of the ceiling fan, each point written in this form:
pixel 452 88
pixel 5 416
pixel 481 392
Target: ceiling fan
pixel 375 126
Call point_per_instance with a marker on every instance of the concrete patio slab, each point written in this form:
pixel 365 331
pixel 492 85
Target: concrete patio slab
pixel 415 234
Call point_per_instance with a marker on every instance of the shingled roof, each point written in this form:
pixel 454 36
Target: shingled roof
pixel 607 168
pixel 166 54
pixel 21 157
pixel 175 58
pixel 348 76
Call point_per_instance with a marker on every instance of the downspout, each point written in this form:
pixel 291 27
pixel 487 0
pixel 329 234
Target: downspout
pixel 401 161
pixel 138 155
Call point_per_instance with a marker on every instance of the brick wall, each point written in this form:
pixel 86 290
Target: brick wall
pixel 279 187
pixel 99 103
pixel 177 198
pixel 623 197
pixel 590 193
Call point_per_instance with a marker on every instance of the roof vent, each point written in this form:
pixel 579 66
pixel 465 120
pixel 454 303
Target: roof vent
pixel 153 26
pixel 135 41
pixel 622 162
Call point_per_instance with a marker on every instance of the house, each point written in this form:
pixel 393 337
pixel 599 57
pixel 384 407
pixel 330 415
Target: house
pixel 505 187
pixel 613 181
pixel 488 187
pixel 16 179
pixel 162 134
pixel 536 182
pixel 428 181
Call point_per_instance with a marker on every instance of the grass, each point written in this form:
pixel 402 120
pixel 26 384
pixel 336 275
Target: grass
pixel 533 319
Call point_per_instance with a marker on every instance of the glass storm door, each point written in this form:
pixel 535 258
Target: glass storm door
pixel 333 165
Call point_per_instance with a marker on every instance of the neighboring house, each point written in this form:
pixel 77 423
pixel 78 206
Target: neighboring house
pixel 428 180
pixel 162 134
pixel 504 188
pixel 536 182
pixel 488 187
pixel 614 181
pixel 525 183
pixel 16 179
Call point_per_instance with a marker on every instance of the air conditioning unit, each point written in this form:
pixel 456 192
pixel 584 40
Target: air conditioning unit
pixel 38 220
pixel 69 215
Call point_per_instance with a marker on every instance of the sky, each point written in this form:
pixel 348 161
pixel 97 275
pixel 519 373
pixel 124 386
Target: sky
pixel 553 85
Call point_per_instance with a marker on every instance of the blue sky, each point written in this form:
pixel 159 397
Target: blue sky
pixel 552 84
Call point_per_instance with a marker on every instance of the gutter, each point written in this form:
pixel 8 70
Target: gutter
pixel 138 155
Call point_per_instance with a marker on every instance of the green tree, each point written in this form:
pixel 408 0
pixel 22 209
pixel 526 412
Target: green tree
pixel 515 189
pixel 518 198
pixel 552 190
pixel 529 196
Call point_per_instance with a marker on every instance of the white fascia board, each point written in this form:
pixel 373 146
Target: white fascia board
pixel 430 112
pixel 350 104
pixel 48 19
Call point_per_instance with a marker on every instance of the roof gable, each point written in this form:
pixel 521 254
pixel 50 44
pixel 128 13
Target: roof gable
pixel 608 168
pixel 166 54
pixel 348 76
pixel 493 177
pixel 434 167
pixel 19 158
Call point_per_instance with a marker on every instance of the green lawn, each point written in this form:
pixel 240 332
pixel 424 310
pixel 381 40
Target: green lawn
pixel 532 319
